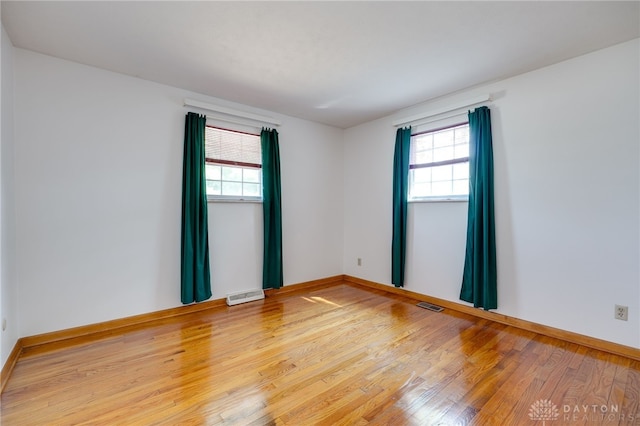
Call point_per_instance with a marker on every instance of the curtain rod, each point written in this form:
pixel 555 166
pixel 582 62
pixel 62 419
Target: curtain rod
pixel 231 112
pixel 428 114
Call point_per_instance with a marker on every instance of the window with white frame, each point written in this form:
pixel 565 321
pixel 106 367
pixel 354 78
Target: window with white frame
pixel 233 165
pixel 439 164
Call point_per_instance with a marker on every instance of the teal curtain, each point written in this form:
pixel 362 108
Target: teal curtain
pixel 272 210
pixel 400 190
pixel 195 273
pixel 479 281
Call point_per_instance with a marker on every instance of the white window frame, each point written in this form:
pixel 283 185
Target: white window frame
pixel 433 128
pixel 231 164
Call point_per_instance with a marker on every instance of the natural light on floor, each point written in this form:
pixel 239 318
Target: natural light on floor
pixel 315 299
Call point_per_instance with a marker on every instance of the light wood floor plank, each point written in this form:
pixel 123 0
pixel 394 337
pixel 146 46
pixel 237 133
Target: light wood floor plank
pixel 338 355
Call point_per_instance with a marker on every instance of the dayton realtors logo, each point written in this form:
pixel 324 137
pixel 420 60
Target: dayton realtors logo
pixel 602 414
pixel 545 410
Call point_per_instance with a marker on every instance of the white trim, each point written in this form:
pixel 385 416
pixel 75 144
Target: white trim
pixel 450 119
pixel 231 115
pixel 438 114
pixel 440 199
pixel 234 124
pixel 442 123
pixel 233 199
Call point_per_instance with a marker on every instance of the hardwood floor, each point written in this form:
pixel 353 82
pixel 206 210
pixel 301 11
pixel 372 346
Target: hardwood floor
pixel 336 355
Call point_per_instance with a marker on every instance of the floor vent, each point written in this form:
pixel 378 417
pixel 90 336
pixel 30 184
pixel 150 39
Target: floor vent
pixel 245 296
pixel 429 306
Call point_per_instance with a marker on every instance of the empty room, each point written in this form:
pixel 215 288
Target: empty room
pixel 320 213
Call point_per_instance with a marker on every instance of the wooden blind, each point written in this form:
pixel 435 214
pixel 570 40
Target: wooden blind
pixel 233 148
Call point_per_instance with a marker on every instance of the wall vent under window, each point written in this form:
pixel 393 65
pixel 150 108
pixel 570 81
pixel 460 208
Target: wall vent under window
pixel 245 296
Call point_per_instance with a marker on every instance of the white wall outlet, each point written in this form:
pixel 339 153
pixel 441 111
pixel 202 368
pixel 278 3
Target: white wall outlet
pixel 359 261
pixel 622 313
pixel 4 324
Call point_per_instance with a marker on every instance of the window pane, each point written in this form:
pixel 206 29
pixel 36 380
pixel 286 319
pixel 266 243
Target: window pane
pixel 423 157
pixel 442 173
pixel 231 188
pixel 440 146
pixel 461 150
pixel 421 190
pixel 461 171
pixel 232 173
pixel 422 175
pixel 461 187
pixel 423 142
pixel 212 172
pixel 213 187
pixel 441 188
pixel 228 179
pixel 252 175
pixel 442 139
pixel 462 134
pixel 251 189
pixel 443 154
pixel 420 149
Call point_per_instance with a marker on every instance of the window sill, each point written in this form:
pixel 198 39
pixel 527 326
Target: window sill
pixel 450 199
pixel 234 200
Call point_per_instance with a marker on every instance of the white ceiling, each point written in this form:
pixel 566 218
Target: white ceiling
pixel 339 63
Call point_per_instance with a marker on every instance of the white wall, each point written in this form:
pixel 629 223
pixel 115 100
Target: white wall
pixel 312 200
pixel 8 285
pixel 566 151
pixel 98 179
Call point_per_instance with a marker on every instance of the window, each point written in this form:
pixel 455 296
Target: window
pixel 233 165
pixel 439 164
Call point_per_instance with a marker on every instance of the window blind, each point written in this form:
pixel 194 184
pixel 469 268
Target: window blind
pixel 448 145
pixel 234 148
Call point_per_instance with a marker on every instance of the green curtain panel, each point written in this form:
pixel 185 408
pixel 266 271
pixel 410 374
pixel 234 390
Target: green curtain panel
pixel 195 273
pixel 479 281
pixel 400 189
pixel 272 210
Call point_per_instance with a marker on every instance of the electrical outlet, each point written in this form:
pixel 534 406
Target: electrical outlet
pixel 359 261
pixel 622 312
pixel 4 324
